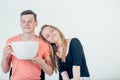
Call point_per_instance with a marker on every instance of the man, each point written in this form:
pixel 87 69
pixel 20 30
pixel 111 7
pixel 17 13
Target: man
pixel 27 69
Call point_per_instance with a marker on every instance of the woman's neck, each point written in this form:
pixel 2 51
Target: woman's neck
pixel 59 43
pixel 61 48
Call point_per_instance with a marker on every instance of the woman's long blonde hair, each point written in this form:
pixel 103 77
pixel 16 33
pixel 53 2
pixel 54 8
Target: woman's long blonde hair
pixel 64 45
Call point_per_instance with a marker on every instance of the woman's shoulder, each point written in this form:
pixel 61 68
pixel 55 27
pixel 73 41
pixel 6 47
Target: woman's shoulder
pixel 75 39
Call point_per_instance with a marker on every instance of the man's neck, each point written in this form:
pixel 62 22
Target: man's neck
pixel 27 37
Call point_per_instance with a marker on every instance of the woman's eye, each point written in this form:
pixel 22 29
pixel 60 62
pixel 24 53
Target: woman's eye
pixel 51 31
pixel 47 36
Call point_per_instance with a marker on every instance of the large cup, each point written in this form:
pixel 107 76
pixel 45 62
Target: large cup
pixel 25 49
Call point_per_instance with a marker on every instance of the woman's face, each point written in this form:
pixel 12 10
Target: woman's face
pixel 50 34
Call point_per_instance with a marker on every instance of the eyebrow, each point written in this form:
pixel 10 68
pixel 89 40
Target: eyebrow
pixel 49 30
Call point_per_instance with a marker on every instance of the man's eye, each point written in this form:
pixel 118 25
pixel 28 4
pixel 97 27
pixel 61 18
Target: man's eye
pixel 22 21
pixel 30 21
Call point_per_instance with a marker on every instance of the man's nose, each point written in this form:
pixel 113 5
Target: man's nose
pixel 26 23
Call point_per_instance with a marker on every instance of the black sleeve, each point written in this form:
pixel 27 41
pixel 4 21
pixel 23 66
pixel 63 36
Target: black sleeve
pixel 77 51
pixel 61 66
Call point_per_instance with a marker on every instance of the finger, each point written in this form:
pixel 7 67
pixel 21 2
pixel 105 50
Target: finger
pixel 34 60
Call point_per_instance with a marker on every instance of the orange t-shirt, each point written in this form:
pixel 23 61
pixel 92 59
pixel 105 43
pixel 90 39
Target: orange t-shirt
pixel 24 69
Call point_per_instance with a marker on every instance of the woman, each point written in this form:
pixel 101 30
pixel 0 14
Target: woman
pixel 68 53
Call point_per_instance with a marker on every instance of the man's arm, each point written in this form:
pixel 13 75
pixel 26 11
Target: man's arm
pixel 45 64
pixel 6 59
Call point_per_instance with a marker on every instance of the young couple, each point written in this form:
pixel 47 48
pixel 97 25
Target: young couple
pixel 55 53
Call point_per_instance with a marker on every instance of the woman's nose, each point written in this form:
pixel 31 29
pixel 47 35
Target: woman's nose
pixel 52 35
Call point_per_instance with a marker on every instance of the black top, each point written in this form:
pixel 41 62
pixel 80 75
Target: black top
pixel 75 57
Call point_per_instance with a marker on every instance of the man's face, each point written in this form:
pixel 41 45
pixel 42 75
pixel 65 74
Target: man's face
pixel 28 23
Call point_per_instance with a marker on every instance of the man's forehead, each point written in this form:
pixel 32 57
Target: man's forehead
pixel 27 16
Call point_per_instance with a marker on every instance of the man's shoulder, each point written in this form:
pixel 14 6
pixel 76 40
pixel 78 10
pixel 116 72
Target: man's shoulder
pixel 13 38
pixel 41 40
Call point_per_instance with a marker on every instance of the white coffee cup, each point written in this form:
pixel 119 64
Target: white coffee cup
pixel 25 49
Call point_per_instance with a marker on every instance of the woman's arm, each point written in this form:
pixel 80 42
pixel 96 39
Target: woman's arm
pixel 65 75
pixel 76 72
pixel 77 54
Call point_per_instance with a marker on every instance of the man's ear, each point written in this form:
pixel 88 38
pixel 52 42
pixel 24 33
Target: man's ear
pixel 36 23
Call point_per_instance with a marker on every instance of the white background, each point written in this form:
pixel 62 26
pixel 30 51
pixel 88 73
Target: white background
pixel 95 22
